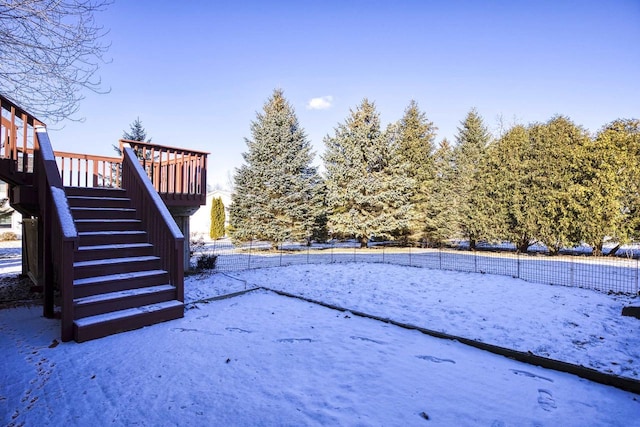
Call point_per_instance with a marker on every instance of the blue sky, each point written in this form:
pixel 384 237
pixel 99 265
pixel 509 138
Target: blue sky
pixel 196 72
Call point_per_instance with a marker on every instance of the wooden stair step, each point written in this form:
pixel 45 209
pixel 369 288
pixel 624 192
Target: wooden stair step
pixel 101 325
pixel 97 202
pixel 118 282
pixel 104 267
pixel 121 300
pixel 91 238
pixel 95 192
pixel 84 212
pixel 123 250
pixel 107 224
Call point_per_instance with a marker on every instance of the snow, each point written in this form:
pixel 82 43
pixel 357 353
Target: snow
pixel 115 261
pixel 264 359
pixel 66 219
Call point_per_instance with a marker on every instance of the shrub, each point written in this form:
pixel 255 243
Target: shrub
pixel 206 262
pixel 8 235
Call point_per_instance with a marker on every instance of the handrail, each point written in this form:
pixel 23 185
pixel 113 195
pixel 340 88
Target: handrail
pixel 163 232
pixel 58 236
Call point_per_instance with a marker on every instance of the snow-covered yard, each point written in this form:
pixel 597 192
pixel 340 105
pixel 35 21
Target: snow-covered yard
pixel 265 359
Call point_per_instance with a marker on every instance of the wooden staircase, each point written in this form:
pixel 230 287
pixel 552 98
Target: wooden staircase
pixel 103 244
pixel 118 282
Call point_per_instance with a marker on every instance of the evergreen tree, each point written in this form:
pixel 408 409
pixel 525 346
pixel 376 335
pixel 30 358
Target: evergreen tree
pixel 412 140
pixel 505 193
pixel 471 142
pixel 275 189
pixel 559 150
pixel 440 214
pixel 136 132
pixel 613 186
pixel 217 219
pixel 365 197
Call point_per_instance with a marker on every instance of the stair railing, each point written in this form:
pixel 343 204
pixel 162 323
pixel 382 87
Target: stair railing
pixel 163 232
pixel 57 234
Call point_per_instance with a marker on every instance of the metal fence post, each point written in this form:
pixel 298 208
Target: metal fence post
pixel 572 279
pixel 281 249
pixel 475 261
pixel 332 245
pixel 250 246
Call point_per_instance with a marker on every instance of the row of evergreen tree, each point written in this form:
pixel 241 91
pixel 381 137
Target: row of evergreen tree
pixel 551 183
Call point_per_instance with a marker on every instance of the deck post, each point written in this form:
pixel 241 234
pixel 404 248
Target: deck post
pixel 181 215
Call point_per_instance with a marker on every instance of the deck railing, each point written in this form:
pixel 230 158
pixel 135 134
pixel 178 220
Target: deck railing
pixel 178 174
pixel 164 234
pixel 17 134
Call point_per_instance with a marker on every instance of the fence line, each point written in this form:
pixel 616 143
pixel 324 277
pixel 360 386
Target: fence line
pixel 618 275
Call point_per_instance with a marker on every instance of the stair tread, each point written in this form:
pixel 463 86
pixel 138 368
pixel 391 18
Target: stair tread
pixel 118 276
pixel 98 198
pixel 114 261
pixel 115 246
pixel 121 294
pixel 89 208
pixel 103 233
pixel 107 220
pixel 122 314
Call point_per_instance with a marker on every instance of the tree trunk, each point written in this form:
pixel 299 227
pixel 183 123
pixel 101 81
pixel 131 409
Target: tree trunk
pixel 613 251
pixel 363 242
pixel 597 249
pixel 523 246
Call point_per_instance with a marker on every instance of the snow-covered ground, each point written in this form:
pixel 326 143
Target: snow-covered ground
pixel 265 359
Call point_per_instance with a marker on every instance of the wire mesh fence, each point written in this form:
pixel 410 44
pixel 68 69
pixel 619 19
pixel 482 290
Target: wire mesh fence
pixel 605 274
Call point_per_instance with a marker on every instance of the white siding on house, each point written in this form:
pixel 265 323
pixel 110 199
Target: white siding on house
pixel 10 219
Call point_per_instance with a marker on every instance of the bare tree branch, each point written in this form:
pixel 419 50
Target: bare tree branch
pixel 50 50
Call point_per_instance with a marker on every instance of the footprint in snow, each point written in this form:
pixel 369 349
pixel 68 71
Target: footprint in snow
pixel 545 400
pixel 294 340
pixel 243 331
pixel 436 359
pixel 193 330
pixel 530 375
pixel 366 339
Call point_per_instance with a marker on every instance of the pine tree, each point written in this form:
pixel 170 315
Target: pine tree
pixel 412 140
pixel 440 214
pixel 471 143
pixel 217 219
pixel 275 189
pixel 136 132
pixel 365 197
